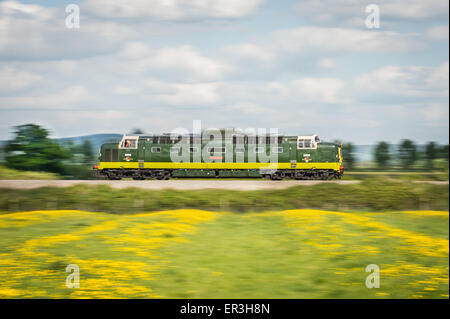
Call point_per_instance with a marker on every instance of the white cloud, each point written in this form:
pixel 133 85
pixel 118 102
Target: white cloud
pixel 182 63
pixel 308 49
pixel 66 98
pixel 326 63
pixel 32 32
pixel 304 39
pixel 13 78
pixel 171 9
pixel 352 12
pixel 121 90
pixel 438 78
pixel 183 94
pixel 412 81
pixel 438 33
pixel 249 52
pixel 315 45
pixel 319 90
pixel 436 115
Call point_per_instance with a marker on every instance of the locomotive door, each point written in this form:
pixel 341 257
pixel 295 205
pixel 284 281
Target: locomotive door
pixel 142 149
pixel 293 155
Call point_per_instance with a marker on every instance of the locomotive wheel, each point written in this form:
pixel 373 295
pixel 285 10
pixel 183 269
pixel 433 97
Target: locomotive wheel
pixel 277 176
pixel 163 176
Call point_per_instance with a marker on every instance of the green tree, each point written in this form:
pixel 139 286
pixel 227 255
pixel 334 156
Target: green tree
pixel 347 154
pixel 407 153
pixel 443 152
pixel 382 154
pixel 32 150
pixel 88 153
pixel 431 153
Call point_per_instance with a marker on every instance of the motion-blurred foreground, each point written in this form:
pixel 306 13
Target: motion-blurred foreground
pixel 201 254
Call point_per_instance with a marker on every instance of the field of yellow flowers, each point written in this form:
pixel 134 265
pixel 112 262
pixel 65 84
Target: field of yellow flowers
pixel 190 253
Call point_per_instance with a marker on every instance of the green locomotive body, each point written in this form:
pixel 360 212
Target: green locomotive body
pixel 277 157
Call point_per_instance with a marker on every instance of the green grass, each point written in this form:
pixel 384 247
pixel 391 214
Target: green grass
pixel 375 194
pixel 8 173
pixel 398 175
pixel 199 254
pixel 259 257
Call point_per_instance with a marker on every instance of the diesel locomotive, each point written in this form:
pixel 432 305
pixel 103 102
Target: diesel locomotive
pixel 276 157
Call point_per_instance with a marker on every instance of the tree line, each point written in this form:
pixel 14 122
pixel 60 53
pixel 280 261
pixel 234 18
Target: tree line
pixel 406 156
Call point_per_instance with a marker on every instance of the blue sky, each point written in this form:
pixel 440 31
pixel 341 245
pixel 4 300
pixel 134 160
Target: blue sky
pixel 299 66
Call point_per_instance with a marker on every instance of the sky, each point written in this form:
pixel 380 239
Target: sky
pixel 301 66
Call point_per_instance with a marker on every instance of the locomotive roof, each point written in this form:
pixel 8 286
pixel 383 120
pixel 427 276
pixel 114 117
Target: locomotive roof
pixel 200 135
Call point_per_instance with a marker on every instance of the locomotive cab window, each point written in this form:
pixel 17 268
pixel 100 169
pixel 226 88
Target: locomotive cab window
pixel 156 149
pixel 306 143
pixel 129 143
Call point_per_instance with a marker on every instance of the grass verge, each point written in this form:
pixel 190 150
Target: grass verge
pixel 373 195
pixel 8 173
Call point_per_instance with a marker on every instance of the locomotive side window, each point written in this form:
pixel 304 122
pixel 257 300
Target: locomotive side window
pixel 259 150
pixel 240 150
pixel 193 150
pixel 277 150
pixel 164 140
pixel 216 149
pixel 156 149
pixel 176 139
